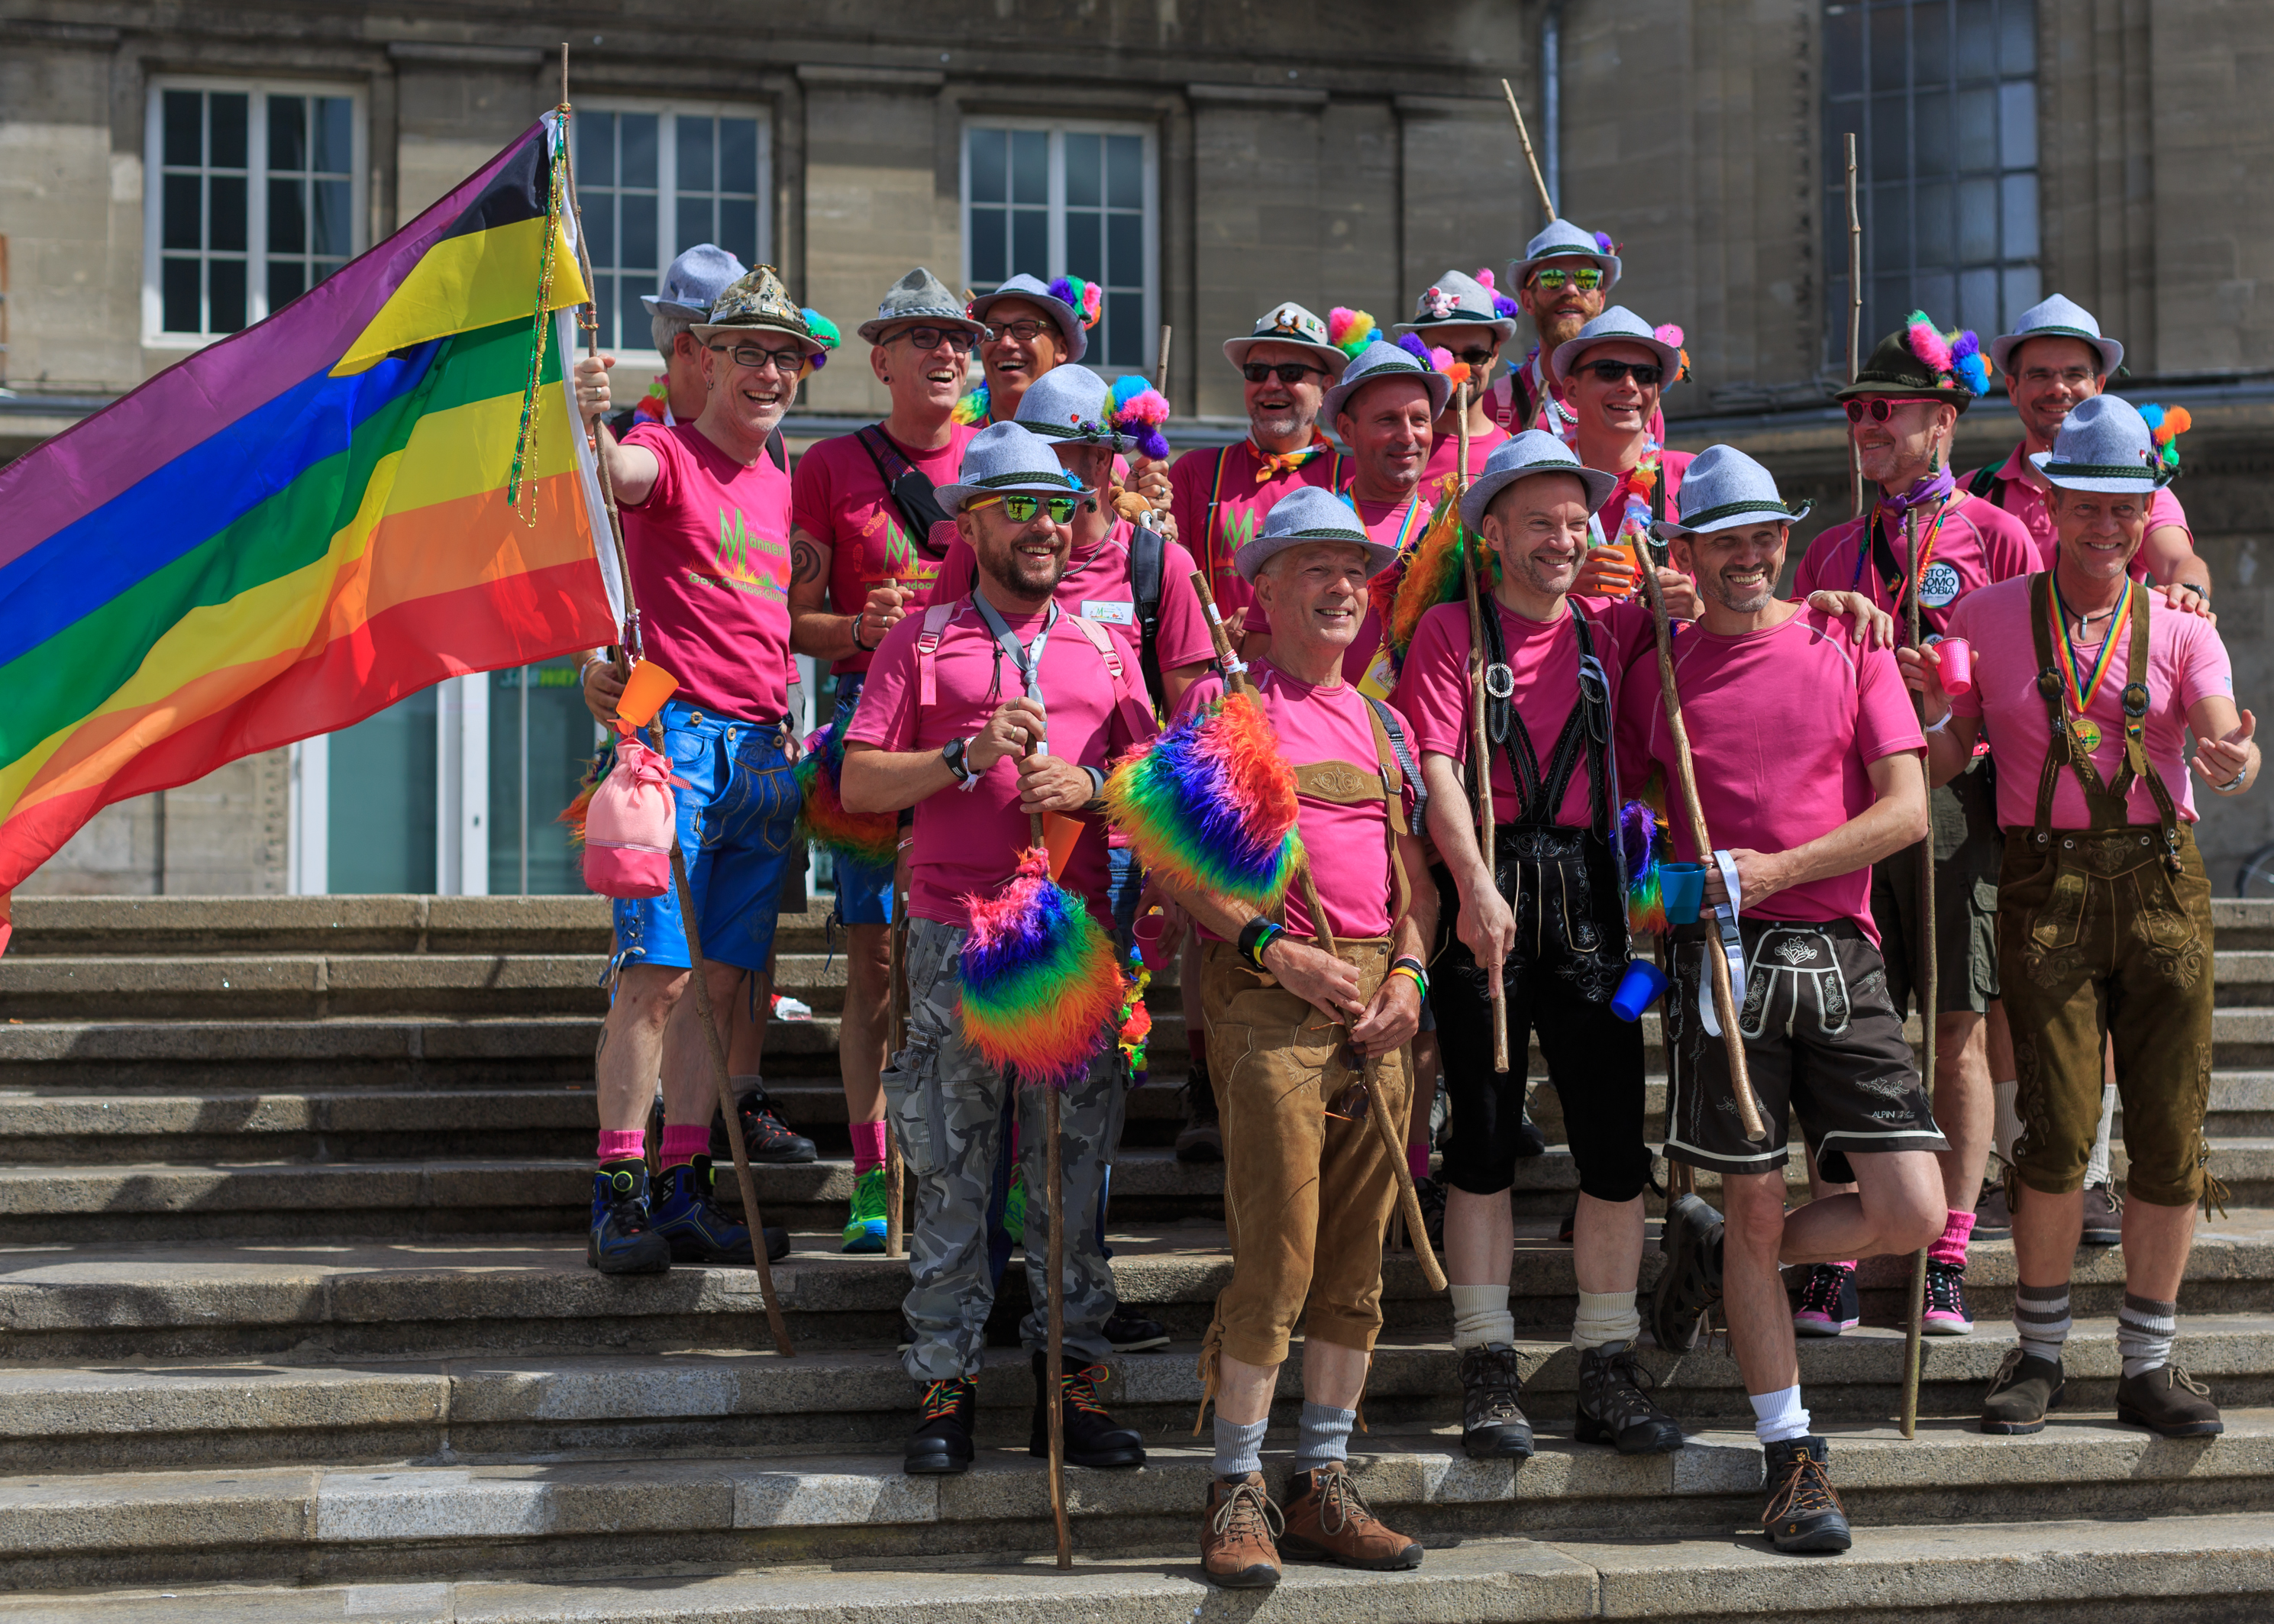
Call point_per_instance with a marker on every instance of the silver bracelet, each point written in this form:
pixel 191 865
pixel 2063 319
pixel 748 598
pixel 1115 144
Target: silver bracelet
pixel 2235 784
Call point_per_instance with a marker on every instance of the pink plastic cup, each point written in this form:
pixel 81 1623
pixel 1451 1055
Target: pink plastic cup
pixel 1957 661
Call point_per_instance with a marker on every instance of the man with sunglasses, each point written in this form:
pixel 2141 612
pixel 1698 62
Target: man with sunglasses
pixel 862 509
pixel 977 713
pixel 706 517
pixel 1463 317
pixel 1563 283
pixel 1615 370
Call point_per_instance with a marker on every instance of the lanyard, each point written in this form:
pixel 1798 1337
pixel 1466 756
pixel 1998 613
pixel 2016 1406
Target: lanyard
pixel 2081 679
pixel 1873 543
pixel 1027 658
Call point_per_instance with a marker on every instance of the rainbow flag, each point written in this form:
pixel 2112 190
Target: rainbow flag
pixel 302 523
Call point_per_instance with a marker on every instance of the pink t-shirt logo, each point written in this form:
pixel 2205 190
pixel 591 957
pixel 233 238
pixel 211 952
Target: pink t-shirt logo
pixel 736 544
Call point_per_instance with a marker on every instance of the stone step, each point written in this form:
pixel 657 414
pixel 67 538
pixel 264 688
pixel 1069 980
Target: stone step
pixel 2206 1569
pixel 317 1524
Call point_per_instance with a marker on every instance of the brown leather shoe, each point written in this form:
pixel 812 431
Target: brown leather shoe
pixel 2104 1217
pixel 2166 1400
pixel 1327 1522
pixel 1236 1548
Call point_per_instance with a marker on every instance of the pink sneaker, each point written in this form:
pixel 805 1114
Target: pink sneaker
pixel 1827 1302
pixel 1945 1313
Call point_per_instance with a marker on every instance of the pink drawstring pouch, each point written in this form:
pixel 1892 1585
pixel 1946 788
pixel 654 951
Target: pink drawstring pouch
pixel 629 824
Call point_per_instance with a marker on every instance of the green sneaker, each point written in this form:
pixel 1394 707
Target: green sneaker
pixel 864 1230
pixel 1015 1208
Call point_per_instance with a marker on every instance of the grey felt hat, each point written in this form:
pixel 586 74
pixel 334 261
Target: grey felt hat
pixel 1380 360
pixel 2057 318
pixel 1618 326
pixel 2104 445
pixel 1535 451
pixel 694 282
pixel 919 297
pixel 1563 240
pixel 1005 457
pixel 1070 403
pixel 1721 489
pixel 1304 515
pixel 1289 323
pixel 1457 301
pixel 1025 287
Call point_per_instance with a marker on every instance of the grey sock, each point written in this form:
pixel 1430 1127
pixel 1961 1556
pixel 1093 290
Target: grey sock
pixel 1325 1436
pixel 2041 1319
pixel 2145 1330
pixel 1238 1449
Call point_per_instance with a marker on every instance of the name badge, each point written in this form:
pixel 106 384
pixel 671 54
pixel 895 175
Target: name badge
pixel 1380 676
pixel 1109 614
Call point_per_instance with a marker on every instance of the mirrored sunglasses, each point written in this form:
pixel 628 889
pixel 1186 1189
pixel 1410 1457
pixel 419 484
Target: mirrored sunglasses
pixel 1587 278
pixel 1021 507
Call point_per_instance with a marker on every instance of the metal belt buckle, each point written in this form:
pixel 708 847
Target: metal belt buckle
pixel 1499 682
pixel 1350 1105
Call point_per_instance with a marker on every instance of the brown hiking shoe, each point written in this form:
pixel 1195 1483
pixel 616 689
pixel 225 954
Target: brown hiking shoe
pixel 2168 1400
pixel 1236 1548
pixel 2104 1217
pixel 1327 1522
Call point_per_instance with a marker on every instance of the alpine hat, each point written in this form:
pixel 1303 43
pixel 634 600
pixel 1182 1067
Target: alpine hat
pixel 1457 301
pixel 2057 318
pixel 918 297
pixel 2104 445
pixel 1535 451
pixel 1004 458
pixel 1289 323
pixel 1070 324
pixel 1563 240
pixel 1305 515
pixel 1618 326
pixel 694 282
pixel 1721 489
pixel 1380 360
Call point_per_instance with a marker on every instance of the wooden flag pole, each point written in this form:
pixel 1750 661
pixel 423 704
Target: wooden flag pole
pixel 1914 1327
pixel 1854 315
pixel 1525 135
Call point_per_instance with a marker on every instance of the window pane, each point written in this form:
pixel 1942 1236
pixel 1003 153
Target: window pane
pixel 638 153
pixel 1125 257
pixel 334 220
pixel 1843 49
pixel 1124 325
pixel 318 269
pixel 738 228
pixel 2017 124
pixel 1889 56
pixel 638 220
pixel 380 805
pixel 2017 37
pixel 596 148
pixel 1125 171
pixel 1978 220
pixel 1891 147
pixel 1977 300
pixel 1936 154
pixel 288 215
pixel 177 295
pixel 1936 227
pixel 1084 182
pixel 1888 235
pixel 600 229
pixel 184 211
pixel 288 280
pixel 1978 39
pixel 2022 290
pixel 1930 43
pixel 225 294
pixel 184 116
pixel 225 197
pixel 2020 208
pixel 738 156
pixel 694 223
pixel 335 135
pixel 604 306
pixel 989 233
pixel 1937 294
pixel 288 132
pixel 1030 179
pixel 230 115
pixel 638 328
pixel 1085 248
pixel 1890 303
pixel 1977 129
pixel 987 148
pixel 695 136
pixel 1030 242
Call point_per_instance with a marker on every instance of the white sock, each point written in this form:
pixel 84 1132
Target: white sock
pixel 1778 1417
pixel 1606 1317
pixel 2008 1132
pixel 1481 1316
pixel 2145 1330
pixel 2095 1170
pixel 2041 1319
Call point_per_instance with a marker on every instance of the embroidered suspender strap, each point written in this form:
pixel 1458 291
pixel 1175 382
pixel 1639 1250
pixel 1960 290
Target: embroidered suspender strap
pixel 2136 764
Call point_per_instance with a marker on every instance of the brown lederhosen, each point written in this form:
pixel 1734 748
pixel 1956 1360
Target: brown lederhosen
pixel 2106 930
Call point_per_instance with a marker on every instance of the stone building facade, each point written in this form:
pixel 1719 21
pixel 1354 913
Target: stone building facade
pixel 1204 159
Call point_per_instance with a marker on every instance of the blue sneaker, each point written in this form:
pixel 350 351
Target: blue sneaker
pixel 864 1229
pixel 623 1240
pixel 688 1218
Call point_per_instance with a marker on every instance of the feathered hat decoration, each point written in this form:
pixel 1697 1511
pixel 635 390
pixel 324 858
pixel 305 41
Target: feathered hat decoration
pixel 2167 424
pixel 1503 305
pixel 1670 335
pixel 972 408
pixel 824 334
pixel 1040 988
pixel 1349 330
pixel 1956 355
pixel 1138 410
pixel 872 838
pixel 1087 298
pixel 1642 844
pixel 1209 805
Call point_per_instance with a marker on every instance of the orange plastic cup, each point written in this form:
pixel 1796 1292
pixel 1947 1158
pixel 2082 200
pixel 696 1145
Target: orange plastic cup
pixel 1060 834
pixel 644 692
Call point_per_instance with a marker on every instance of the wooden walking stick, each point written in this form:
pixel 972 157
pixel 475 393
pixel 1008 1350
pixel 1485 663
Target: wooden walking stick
pixel 1717 960
pixel 896 1169
pixel 1914 1327
pixel 1525 135
pixel 1855 316
pixel 1479 745
pixel 1058 1218
pixel 1391 1135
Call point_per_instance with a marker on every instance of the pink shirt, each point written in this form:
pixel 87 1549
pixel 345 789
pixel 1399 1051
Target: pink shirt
pixel 2026 503
pixel 839 499
pixel 1783 724
pixel 1445 455
pixel 708 551
pixel 969 841
pixel 1976 546
pixel 1432 689
pixel 1219 506
pixel 2186 662
pixel 1349 845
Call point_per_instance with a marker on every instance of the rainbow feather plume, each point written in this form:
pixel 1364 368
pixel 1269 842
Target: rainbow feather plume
pixel 1349 330
pixel 1210 806
pixel 1086 298
pixel 1139 412
pixel 2167 424
pixel 973 406
pixel 1927 344
pixel 868 837
pixel 1039 983
pixel 1642 843
pixel 1136 1018
pixel 1503 305
pixel 1967 361
pixel 1411 344
pixel 1432 575
pixel 825 334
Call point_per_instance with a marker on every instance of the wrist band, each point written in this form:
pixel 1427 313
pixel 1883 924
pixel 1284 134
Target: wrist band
pixel 1260 933
pixel 2235 785
pixel 1937 727
pixel 1411 969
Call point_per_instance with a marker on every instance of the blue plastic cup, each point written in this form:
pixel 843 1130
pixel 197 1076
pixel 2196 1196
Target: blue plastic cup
pixel 1683 886
pixel 1639 990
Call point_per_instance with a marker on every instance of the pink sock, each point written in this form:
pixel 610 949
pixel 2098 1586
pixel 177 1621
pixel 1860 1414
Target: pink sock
pixel 683 1143
pixel 867 1145
pixel 631 1145
pixel 1850 1265
pixel 1417 1158
pixel 1951 1249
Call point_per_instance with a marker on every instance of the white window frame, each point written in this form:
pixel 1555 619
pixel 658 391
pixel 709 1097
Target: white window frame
pixel 666 176
pixel 256 202
pixel 1056 128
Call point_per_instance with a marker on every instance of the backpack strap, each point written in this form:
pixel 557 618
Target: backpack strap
pixel 1107 649
pixel 1985 484
pixel 1147 556
pixel 934 622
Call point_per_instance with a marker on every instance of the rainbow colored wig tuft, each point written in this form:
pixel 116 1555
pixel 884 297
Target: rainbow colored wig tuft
pixel 825 334
pixel 1432 575
pixel 872 838
pixel 1087 298
pixel 1040 989
pixel 1139 412
pixel 1349 330
pixel 1210 806
pixel 972 408
pixel 2167 424
pixel 1411 344
pixel 1642 845
pixel 1136 1027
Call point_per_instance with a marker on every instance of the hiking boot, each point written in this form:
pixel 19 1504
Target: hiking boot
pixel 1431 1194
pixel 1493 1427
pixel 1128 1333
pixel 1202 1137
pixel 1804 1513
pixel 1827 1302
pixel 2021 1394
pixel 687 1216
pixel 1327 1522
pixel 1691 1282
pixel 622 1242
pixel 941 1444
pixel 1236 1544
pixel 2103 1216
pixel 1615 1406
pixel 1945 1311
pixel 864 1228
pixel 2169 1401
pixel 1993 1214
pixel 766 1135
pixel 1091 1437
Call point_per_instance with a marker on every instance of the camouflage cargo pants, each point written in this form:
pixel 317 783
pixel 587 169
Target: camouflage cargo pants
pixel 947 1107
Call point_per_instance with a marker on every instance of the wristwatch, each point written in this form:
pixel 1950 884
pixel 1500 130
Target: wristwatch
pixel 954 753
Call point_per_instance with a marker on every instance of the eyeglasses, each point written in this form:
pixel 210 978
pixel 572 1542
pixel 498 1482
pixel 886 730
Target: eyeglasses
pixel 786 362
pixel 1026 330
pixel 1644 372
pixel 1587 278
pixel 2074 377
pixel 1479 357
pixel 1285 371
pixel 1019 508
pixel 958 339
pixel 1879 406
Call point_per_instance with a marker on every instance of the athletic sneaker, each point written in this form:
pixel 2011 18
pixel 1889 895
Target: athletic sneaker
pixel 2103 1216
pixel 766 1135
pixel 688 1217
pixel 1828 1304
pixel 1804 1513
pixel 1945 1313
pixel 864 1229
pixel 1128 1333
pixel 622 1241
